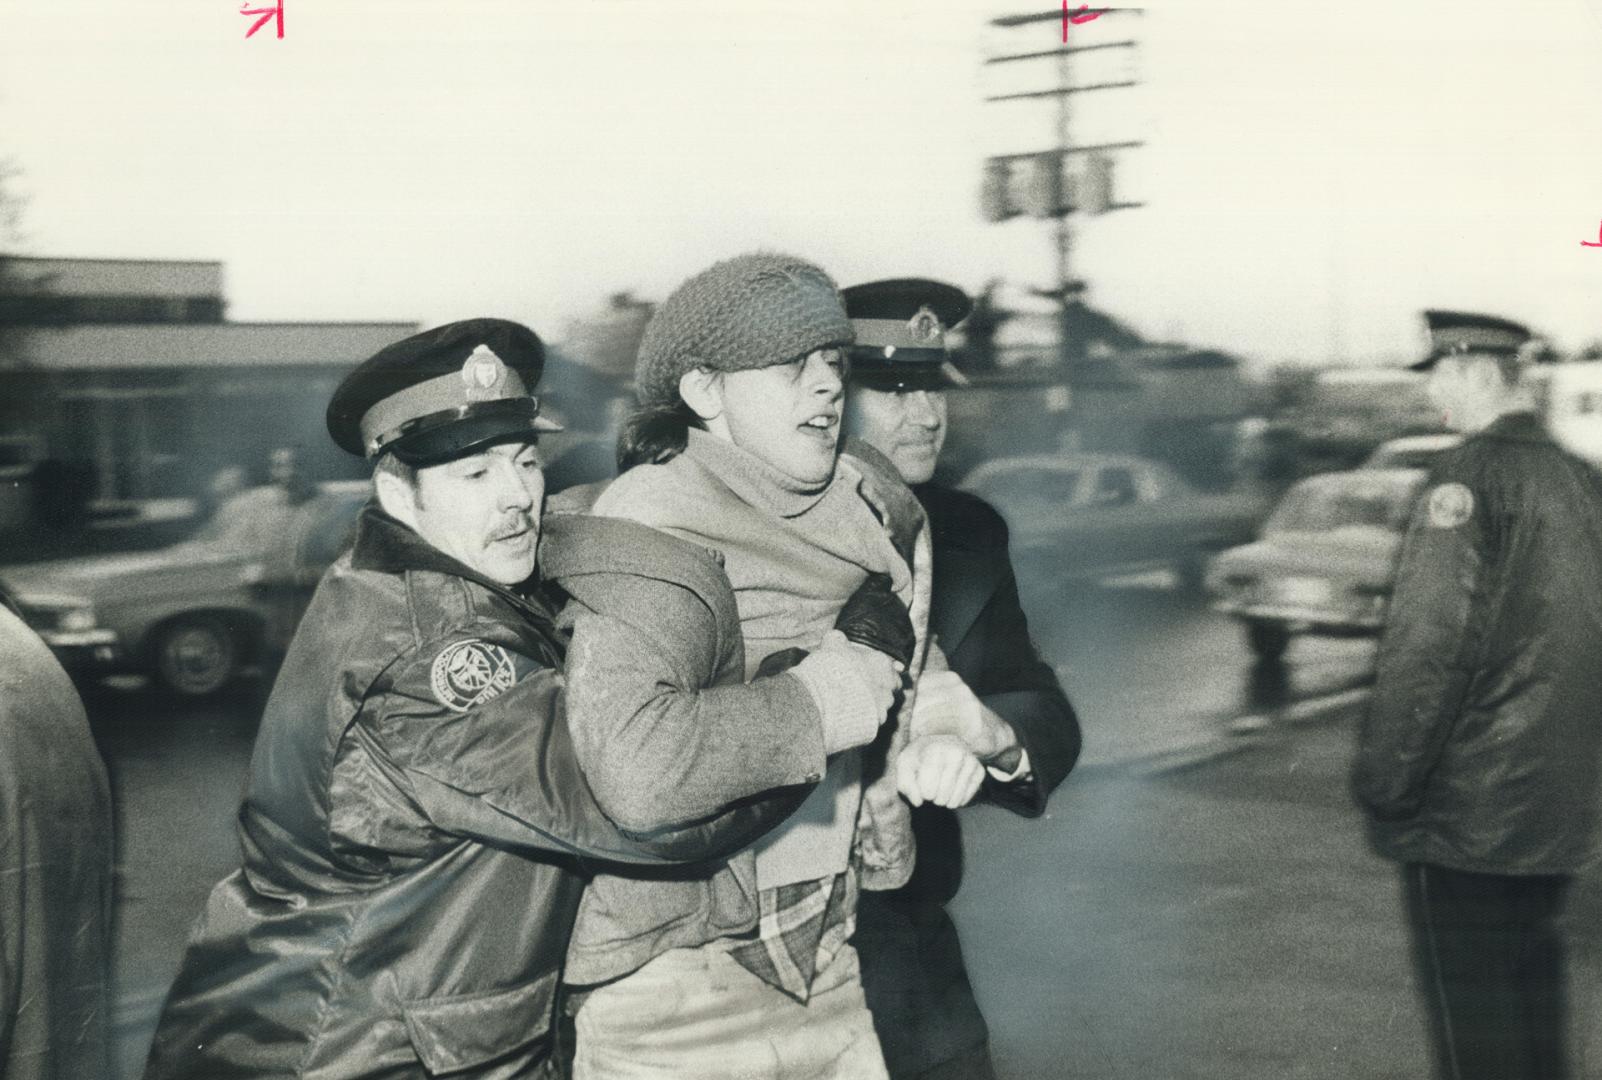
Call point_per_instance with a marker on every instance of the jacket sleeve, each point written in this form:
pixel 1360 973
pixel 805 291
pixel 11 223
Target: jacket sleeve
pixel 662 744
pixel 1023 690
pixel 1432 635
pixel 12 859
pixel 505 770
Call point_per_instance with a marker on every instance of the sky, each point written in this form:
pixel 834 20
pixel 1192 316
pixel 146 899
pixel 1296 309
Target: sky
pixel 1312 174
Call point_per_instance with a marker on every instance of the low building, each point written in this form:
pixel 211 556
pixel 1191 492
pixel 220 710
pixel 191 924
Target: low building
pixel 125 387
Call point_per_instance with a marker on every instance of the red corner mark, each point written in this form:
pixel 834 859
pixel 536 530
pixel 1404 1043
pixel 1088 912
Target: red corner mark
pixel 1075 18
pixel 277 12
pixel 1587 243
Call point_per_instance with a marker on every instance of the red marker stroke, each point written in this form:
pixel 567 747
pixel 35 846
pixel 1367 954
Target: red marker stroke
pixel 1587 243
pixel 277 12
pixel 1076 17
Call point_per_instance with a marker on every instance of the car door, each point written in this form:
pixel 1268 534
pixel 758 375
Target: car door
pixel 1120 520
pixel 1038 503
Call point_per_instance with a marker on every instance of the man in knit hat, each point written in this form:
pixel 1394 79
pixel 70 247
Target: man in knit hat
pixel 737 448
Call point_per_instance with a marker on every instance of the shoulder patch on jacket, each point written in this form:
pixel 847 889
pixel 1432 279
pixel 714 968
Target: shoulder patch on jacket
pixel 471 672
pixel 1450 505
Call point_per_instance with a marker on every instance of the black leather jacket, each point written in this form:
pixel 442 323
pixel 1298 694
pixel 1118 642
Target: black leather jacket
pixel 416 835
pixel 1483 747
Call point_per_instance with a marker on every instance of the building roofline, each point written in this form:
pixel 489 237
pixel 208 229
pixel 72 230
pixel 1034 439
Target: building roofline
pixel 93 259
pixel 225 324
pixel 290 322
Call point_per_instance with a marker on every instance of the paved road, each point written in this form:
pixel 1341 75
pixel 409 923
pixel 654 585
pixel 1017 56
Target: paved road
pixel 1162 866
pixel 1153 670
pixel 1211 914
pixel 177 772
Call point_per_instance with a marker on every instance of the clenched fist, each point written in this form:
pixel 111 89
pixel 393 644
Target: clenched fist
pixel 938 769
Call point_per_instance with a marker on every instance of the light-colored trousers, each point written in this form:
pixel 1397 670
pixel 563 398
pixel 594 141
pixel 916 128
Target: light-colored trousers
pixel 696 1014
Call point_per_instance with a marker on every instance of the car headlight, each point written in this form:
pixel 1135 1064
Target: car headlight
pixel 76 620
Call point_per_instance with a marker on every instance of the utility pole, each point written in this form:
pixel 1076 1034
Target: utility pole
pixel 1048 188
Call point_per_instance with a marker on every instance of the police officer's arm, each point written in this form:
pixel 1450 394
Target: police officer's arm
pixel 1433 631
pixel 999 661
pixel 658 741
pixel 505 770
pixel 985 636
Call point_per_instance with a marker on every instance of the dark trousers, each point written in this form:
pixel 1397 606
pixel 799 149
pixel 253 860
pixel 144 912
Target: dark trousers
pixel 917 989
pixel 1490 963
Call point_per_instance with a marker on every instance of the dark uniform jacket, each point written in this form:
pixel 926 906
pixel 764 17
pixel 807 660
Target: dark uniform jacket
pixel 55 871
pixel 1483 746
pixel 911 962
pixel 416 834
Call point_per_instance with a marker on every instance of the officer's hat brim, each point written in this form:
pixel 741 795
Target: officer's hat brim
pixel 870 371
pixel 470 429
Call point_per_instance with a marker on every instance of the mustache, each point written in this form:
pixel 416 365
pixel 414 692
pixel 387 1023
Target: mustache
pixel 519 523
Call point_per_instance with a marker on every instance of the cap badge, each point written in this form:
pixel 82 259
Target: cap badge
pixel 483 375
pixel 925 325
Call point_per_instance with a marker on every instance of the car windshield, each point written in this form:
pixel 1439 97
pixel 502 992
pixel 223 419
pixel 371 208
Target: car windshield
pixel 1402 459
pixel 1321 506
pixel 1054 487
pixel 332 530
pixel 246 522
pixel 260 521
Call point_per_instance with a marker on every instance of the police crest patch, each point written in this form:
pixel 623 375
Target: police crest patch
pixel 470 673
pixel 1450 505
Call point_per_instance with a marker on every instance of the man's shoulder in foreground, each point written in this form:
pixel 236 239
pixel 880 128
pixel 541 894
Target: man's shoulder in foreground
pixel 1515 458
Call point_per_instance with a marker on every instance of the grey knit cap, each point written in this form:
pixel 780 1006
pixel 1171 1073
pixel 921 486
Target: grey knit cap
pixel 751 311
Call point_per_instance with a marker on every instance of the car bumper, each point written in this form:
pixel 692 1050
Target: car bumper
pixel 86 650
pixel 1304 618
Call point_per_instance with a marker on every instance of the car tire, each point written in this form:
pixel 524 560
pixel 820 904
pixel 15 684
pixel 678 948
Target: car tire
pixel 195 656
pixel 1268 640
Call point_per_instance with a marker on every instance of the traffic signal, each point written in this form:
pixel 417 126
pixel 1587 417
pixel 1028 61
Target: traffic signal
pixel 995 192
pixel 1041 193
pixel 1096 184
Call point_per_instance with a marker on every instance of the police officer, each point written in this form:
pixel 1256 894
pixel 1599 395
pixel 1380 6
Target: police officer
pixel 415 818
pixel 1478 763
pixel 999 694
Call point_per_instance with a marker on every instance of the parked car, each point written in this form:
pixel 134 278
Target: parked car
pixel 1079 516
pixel 1411 451
pixel 1326 561
pixel 193 614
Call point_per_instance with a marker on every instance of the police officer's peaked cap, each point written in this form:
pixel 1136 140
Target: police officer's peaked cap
pixel 901 326
pixel 442 393
pixel 1455 333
